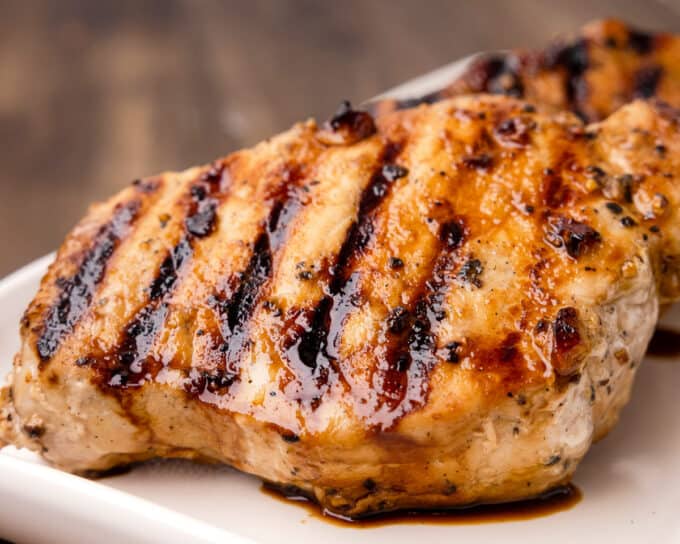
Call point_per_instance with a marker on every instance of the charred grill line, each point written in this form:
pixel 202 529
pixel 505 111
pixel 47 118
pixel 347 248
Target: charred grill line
pixel 235 313
pixel 312 341
pixel 243 303
pixel 78 291
pixel 129 364
pixel 361 230
pixel 574 59
pixel 498 75
pixel 410 350
pixel 206 196
pixel 164 282
pixel 646 81
pixel 235 310
pixel 314 345
pixel 129 359
pixel 642 43
pixel 306 351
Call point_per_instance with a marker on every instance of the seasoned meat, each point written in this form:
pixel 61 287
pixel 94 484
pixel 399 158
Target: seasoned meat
pixel 592 74
pixel 441 306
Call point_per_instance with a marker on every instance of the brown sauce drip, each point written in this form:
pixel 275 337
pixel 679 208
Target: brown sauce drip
pixel 556 500
pixel 664 343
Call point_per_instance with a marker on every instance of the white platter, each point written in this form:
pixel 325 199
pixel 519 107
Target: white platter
pixel 630 481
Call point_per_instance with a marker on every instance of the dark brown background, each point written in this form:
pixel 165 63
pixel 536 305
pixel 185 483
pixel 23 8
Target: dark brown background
pixel 93 94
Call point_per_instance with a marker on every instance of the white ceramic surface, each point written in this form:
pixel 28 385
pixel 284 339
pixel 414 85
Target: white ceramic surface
pixel 630 481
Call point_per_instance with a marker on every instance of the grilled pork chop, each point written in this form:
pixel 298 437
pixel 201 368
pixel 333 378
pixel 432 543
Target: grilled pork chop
pixel 593 74
pixel 442 306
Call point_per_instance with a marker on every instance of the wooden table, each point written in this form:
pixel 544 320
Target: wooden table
pixel 94 94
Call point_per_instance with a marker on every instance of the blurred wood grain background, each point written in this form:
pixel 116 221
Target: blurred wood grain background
pixel 94 94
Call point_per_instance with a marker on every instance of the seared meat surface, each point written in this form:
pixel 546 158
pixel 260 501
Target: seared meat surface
pixel 441 306
pixel 592 74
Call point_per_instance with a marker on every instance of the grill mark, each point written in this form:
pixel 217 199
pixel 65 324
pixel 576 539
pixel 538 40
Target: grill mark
pixel 283 214
pixel 496 75
pixel 409 352
pixel 206 196
pixel 235 313
pixel 361 230
pixel 646 80
pixel 259 269
pixel 76 293
pixel 163 283
pixel 574 59
pixel 129 364
pixel 236 305
pixel 641 42
pixel 130 359
pixel 312 340
pixel 305 350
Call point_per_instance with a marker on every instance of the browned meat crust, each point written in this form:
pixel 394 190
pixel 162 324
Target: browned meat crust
pixel 592 74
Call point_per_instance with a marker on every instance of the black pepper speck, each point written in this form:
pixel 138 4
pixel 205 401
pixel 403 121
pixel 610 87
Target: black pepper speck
pixel 553 460
pixel 396 263
pixel 614 207
pixel 370 485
